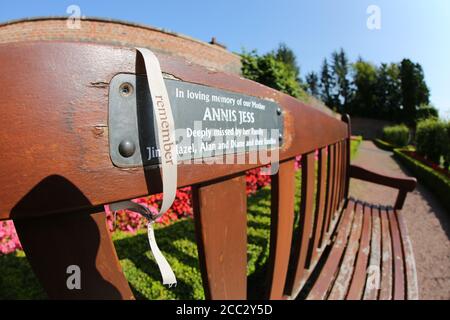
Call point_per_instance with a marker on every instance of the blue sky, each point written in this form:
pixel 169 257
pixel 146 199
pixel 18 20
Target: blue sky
pixel 419 29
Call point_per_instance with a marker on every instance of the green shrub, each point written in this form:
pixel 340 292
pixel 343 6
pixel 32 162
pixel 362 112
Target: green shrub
pixel 438 183
pixel 447 148
pixel 397 135
pixel 432 139
pixel 384 145
pixel 354 145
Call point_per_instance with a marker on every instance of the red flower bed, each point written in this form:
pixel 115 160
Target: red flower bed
pixel 427 162
pixel 129 221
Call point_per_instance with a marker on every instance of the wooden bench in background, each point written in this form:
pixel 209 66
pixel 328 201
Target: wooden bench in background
pixel 56 174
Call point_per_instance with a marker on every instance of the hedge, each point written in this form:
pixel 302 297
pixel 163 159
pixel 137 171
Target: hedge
pixel 432 139
pixel 438 183
pixel 397 135
pixel 384 145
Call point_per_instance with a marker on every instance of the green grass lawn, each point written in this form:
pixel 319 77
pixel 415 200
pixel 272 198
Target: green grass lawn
pixel 177 242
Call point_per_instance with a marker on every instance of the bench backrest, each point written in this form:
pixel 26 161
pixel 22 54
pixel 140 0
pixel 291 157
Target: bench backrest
pixel 56 161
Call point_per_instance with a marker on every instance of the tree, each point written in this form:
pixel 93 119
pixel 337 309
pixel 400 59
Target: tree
pixel 287 56
pixel 327 85
pixel 365 81
pixel 270 71
pixel 414 90
pixel 340 69
pixel 312 81
pixel 388 92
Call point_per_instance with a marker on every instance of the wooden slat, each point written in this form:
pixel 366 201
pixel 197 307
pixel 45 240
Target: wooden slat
pixel 399 272
pixel 374 270
pixel 321 286
pixel 340 177
pixel 386 258
pixel 342 283
pixel 412 288
pixel 282 219
pixel 337 182
pixel 343 170
pixel 62 123
pixel 320 204
pixel 304 230
pixel 54 243
pixel 220 212
pixel 359 275
pixel 346 119
pixel 329 197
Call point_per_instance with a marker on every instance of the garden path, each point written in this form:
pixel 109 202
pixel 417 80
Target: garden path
pixel 428 222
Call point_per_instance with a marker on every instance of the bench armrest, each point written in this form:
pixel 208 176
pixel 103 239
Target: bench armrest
pixel 404 185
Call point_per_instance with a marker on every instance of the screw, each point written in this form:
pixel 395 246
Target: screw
pixel 126 89
pixel 127 148
pixel 279 111
pixel 280 136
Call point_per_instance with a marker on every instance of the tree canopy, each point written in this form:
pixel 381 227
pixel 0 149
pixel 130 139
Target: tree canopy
pixel 392 91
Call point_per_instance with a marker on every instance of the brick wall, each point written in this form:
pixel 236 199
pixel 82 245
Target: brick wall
pixel 122 34
pixel 368 128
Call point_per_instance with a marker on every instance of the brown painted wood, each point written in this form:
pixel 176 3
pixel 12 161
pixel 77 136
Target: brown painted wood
pixel 282 220
pixel 320 205
pixel 220 212
pixel 386 258
pixel 321 287
pixel 339 175
pixel 356 289
pixel 58 126
pixel 412 287
pixel 346 119
pixel 55 136
pixel 328 204
pixel 374 268
pixel 342 283
pixel 337 178
pixel 53 243
pixel 343 170
pixel 302 246
pixel 399 272
pixel 404 185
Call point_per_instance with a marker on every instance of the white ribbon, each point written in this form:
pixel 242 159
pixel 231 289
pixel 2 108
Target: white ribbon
pixel 168 155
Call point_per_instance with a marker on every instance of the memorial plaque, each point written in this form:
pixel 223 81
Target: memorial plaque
pixel 209 122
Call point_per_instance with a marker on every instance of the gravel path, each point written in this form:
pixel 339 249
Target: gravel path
pixel 428 222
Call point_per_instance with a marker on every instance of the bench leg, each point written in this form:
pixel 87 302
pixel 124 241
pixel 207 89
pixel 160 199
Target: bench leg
pixel 54 243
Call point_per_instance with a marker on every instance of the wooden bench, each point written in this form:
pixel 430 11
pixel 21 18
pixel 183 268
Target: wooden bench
pixel 56 174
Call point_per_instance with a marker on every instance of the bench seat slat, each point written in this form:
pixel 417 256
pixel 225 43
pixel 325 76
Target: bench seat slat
pixel 371 257
pixel 359 275
pixel 326 277
pixel 399 281
pixel 386 258
pixel 373 270
pixel 410 264
pixel 344 277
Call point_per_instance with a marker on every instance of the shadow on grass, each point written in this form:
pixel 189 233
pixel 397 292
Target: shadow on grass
pixel 17 280
pixel 177 242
